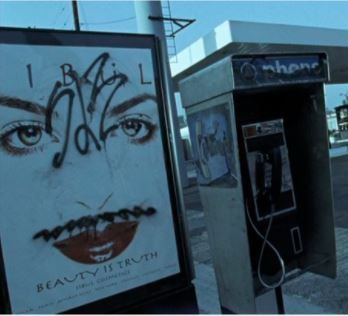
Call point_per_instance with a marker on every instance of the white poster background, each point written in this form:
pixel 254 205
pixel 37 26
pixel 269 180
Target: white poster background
pixel 35 196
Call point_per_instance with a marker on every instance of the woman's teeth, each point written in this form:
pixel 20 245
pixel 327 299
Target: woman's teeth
pixel 92 231
pixel 102 258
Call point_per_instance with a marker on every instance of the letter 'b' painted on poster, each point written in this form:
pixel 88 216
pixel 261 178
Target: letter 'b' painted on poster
pixel 66 70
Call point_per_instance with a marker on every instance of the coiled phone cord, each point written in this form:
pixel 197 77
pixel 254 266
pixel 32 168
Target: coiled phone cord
pixel 266 241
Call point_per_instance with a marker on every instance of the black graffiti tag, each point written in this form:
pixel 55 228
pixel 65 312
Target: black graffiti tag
pixel 87 222
pixel 83 134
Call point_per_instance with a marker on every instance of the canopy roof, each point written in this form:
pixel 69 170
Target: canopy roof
pixel 235 37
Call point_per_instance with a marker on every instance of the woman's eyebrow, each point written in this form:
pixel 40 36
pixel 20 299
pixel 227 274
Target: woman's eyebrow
pixel 20 104
pixel 130 103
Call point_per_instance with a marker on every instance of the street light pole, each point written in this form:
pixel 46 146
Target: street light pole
pixel 143 11
pixel 76 15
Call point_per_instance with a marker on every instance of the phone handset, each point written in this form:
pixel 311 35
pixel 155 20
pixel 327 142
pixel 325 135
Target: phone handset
pixel 276 162
pixel 268 176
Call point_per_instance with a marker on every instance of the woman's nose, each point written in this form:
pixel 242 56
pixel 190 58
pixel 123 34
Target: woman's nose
pixel 92 204
pixel 93 182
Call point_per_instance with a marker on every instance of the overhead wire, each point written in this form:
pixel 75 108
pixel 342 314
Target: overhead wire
pixel 81 6
pixel 110 22
pixel 59 12
pixel 67 18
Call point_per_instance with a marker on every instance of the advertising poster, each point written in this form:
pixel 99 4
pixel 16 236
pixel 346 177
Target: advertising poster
pixel 212 145
pixel 269 168
pixel 86 212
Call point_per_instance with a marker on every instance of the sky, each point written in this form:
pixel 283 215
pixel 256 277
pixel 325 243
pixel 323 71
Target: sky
pixel 119 16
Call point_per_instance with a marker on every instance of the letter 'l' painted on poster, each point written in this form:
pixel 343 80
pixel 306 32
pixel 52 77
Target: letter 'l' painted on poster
pixel 142 80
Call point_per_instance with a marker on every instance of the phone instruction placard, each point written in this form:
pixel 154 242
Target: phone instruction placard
pixel 265 145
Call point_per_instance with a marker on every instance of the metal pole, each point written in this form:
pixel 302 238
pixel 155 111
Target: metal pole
pixel 279 299
pixel 76 15
pixel 143 10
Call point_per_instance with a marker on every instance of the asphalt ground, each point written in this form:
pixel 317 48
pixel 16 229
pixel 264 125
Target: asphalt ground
pixel 307 294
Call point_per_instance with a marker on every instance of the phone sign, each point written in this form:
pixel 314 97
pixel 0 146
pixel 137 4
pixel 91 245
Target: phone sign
pixel 285 69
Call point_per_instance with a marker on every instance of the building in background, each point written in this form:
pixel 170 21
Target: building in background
pixel 342 120
pixel 332 124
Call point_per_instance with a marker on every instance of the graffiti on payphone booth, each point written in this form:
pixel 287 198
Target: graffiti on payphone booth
pixel 212 144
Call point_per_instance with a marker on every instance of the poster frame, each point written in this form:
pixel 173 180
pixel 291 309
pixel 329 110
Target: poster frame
pixel 150 292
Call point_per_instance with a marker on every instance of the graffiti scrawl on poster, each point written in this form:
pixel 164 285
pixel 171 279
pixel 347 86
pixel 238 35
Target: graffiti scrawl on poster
pixel 85 196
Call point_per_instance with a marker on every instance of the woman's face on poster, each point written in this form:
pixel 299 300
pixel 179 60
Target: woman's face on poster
pixel 80 145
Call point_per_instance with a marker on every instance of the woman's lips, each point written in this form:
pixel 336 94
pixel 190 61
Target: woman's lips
pixel 92 246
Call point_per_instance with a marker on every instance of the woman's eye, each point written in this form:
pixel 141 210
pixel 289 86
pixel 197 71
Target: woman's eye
pixel 29 135
pixel 23 138
pixel 131 127
pixel 138 127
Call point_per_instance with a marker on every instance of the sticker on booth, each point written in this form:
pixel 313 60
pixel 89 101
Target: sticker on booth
pixel 212 145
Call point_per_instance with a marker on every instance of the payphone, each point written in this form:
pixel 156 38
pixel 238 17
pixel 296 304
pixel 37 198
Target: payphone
pixel 259 137
pixel 270 199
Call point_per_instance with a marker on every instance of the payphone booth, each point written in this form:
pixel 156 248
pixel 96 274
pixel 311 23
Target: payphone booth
pixel 258 131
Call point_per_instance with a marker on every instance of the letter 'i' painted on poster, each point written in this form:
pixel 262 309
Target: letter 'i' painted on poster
pixel 142 80
pixel 30 75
